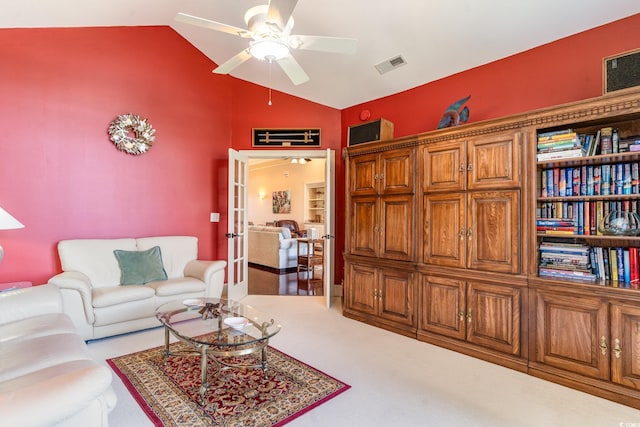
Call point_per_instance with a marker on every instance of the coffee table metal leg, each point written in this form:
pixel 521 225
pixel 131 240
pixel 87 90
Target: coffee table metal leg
pixel 264 360
pixel 203 372
pixel 166 342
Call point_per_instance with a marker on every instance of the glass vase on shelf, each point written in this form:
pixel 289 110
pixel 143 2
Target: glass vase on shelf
pixel 620 223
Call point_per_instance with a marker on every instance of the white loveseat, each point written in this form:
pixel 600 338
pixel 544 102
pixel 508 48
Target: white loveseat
pixel 273 247
pixel 47 375
pixel 100 305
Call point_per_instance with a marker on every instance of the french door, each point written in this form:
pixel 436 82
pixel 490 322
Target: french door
pixel 237 247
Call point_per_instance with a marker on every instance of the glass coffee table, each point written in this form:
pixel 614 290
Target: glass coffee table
pixel 218 329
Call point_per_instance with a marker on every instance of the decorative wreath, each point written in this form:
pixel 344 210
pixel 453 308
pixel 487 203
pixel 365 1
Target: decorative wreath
pixel 132 134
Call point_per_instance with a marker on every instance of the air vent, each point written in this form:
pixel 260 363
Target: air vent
pixel 391 64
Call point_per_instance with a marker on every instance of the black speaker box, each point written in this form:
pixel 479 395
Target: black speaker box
pixel 377 130
pixel 622 71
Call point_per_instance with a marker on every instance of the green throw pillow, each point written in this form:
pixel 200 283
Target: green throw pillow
pixel 139 267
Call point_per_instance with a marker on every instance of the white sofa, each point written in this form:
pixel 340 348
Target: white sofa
pixel 47 376
pixel 273 247
pixel 99 305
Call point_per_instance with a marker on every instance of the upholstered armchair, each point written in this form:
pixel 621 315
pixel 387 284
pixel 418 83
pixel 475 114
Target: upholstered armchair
pixel 292 225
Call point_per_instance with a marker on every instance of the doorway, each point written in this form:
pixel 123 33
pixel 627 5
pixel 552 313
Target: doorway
pixel 293 172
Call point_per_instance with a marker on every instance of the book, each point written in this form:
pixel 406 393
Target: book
pixel 595 146
pixel 620 258
pixel 607 268
pixel 634 275
pixel 605 140
pixel 554 133
pixel 613 261
pixel 564 154
pixel 626 263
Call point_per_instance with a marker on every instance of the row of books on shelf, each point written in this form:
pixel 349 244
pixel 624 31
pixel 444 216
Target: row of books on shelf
pixel 600 180
pixel 619 265
pixel 566 143
pixel 580 218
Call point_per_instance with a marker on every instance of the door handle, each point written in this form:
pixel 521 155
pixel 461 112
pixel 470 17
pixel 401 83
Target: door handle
pixel 603 345
pixel 231 235
pixel 617 350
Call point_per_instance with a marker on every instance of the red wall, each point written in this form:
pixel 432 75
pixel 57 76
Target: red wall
pixel 60 174
pixel 566 70
pixel 62 177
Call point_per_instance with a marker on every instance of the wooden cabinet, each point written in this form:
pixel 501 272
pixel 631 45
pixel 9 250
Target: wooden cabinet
pixel 625 342
pixel 382 205
pixel 460 209
pixel 391 172
pixel 382 226
pixel 572 333
pixel 588 337
pixel 478 230
pixel 487 162
pixel 465 224
pixel 480 313
pixel 383 296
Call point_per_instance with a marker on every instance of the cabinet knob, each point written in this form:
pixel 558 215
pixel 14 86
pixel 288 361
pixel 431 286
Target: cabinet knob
pixel 470 166
pixel 617 350
pixel 469 317
pixel 469 233
pixel 603 345
pixel 461 168
pixel 461 233
pixel 461 315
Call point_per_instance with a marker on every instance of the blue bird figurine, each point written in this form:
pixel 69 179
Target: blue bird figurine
pixel 453 116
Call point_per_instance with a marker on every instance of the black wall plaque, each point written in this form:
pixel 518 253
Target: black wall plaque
pixel 286 137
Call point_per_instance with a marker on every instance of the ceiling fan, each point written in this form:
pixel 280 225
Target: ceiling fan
pixel 269 31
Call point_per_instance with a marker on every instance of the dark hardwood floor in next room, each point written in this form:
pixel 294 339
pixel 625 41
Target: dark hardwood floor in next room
pixel 263 282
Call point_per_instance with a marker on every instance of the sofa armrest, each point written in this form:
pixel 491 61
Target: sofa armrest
pixel 79 282
pixel 57 398
pixel 22 303
pixel 210 272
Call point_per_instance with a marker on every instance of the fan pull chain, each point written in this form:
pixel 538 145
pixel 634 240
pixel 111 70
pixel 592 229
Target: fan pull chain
pixel 269 103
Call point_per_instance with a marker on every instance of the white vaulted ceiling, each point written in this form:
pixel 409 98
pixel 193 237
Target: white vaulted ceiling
pixel 436 37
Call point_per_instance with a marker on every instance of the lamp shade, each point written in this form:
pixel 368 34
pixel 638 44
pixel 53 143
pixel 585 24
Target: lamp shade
pixel 7 222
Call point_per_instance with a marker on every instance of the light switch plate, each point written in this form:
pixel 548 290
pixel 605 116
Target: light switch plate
pixel 214 217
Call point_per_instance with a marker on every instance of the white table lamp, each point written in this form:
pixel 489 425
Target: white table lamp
pixel 7 222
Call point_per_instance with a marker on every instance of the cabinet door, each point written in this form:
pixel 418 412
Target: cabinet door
pixel 363 179
pixel 396 296
pixel 361 290
pixel 444 240
pixel 625 345
pixel 396 227
pixel 397 172
pixel 494 231
pixel 493 316
pixel 443 167
pixel 364 226
pixel 572 333
pixel 494 161
pixel 442 306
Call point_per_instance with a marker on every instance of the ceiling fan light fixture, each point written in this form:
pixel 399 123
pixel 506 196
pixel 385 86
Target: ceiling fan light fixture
pixel 270 50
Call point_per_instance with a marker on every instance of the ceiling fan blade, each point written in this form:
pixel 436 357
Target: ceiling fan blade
pixel 280 11
pixel 213 25
pixel 325 44
pixel 232 63
pixel 293 70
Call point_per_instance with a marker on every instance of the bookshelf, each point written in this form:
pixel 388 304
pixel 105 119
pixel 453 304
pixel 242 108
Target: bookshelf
pixel 314 203
pixel 588 203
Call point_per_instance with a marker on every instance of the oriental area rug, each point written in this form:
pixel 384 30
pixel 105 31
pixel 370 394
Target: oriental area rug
pixel 167 389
